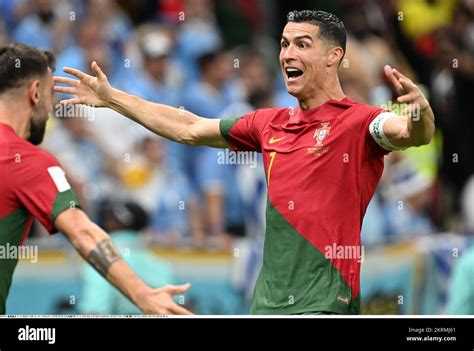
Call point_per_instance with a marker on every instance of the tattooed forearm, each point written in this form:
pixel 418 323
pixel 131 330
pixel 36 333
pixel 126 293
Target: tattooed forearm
pixel 103 256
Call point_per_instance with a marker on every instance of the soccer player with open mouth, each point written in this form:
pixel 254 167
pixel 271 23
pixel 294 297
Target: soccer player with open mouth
pixel 323 161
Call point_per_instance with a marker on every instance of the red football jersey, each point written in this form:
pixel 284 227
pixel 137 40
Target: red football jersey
pixel 322 168
pixel 32 184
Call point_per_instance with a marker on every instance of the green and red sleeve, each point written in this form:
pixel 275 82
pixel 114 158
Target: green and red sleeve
pixel 242 133
pixel 41 186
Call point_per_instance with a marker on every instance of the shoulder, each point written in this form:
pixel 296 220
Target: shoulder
pixel 21 152
pixel 29 161
pixel 36 157
pixel 268 114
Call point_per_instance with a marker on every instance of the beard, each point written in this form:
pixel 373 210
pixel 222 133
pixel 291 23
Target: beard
pixel 38 126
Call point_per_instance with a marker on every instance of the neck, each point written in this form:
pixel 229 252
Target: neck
pixel 330 90
pixel 12 115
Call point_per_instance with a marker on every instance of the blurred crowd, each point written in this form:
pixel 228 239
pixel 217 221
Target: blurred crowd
pixel 219 59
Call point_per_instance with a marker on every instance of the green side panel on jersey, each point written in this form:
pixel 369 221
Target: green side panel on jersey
pixel 65 200
pixel 12 227
pixel 296 277
pixel 225 125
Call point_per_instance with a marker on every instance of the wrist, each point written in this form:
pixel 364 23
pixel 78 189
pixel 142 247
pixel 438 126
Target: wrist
pixel 113 98
pixel 138 293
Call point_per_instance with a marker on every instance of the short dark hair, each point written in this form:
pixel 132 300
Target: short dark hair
pixel 19 62
pixel 209 58
pixel 331 28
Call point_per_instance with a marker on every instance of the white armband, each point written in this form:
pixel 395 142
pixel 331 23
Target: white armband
pixel 376 130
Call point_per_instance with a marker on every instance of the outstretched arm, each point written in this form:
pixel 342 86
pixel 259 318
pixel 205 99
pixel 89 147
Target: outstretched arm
pixel 419 127
pixel 169 122
pixel 96 247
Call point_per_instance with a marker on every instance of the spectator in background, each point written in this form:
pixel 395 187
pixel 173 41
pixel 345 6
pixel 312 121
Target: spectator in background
pixel 241 202
pixel 367 53
pixel 116 26
pixel 453 83
pixel 164 193
pixel 157 78
pixel 198 34
pixel 117 134
pixel 124 220
pixel 407 195
pixel 88 34
pixel 212 93
pixel 207 97
pixel 46 26
pixel 79 148
pixel 461 290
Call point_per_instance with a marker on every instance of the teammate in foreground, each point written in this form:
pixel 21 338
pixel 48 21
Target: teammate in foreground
pixel 323 161
pixel 32 184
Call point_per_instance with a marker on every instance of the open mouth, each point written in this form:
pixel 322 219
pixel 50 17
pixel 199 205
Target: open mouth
pixel 293 73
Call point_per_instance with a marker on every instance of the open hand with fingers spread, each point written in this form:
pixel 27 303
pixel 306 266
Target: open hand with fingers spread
pixel 160 301
pixel 88 90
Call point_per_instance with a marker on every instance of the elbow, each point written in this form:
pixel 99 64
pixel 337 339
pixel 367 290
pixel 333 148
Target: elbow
pixel 428 136
pixel 189 135
pixel 424 140
pixel 187 140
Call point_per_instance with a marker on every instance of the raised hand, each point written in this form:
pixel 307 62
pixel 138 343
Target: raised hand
pixel 408 92
pixel 88 90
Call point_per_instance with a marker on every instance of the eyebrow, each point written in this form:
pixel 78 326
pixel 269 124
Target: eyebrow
pixel 306 36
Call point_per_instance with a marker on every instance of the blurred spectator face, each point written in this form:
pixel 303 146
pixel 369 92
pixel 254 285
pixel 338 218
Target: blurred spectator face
pixel 156 67
pixel 198 8
pixel 100 6
pixel 222 68
pixel 153 150
pixel 217 68
pixel 43 7
pixel 303 59
pixel 356 22
pixel 254 74
pixel 156 47
pixel 420 201
pixel 76 126
pixel 90 33
pixel 101 55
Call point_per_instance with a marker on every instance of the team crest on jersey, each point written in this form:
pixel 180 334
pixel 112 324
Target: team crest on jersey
pixel 319 135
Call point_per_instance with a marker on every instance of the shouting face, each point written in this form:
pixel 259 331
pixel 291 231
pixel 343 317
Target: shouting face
pixel 305 58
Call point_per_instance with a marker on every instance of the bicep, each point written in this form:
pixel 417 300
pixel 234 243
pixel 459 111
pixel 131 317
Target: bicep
pixel 207 132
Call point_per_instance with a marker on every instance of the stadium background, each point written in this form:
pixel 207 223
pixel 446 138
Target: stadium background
pixel 219 59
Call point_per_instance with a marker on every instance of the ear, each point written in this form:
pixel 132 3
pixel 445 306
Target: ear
pixel 34 92
pixel 335 56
